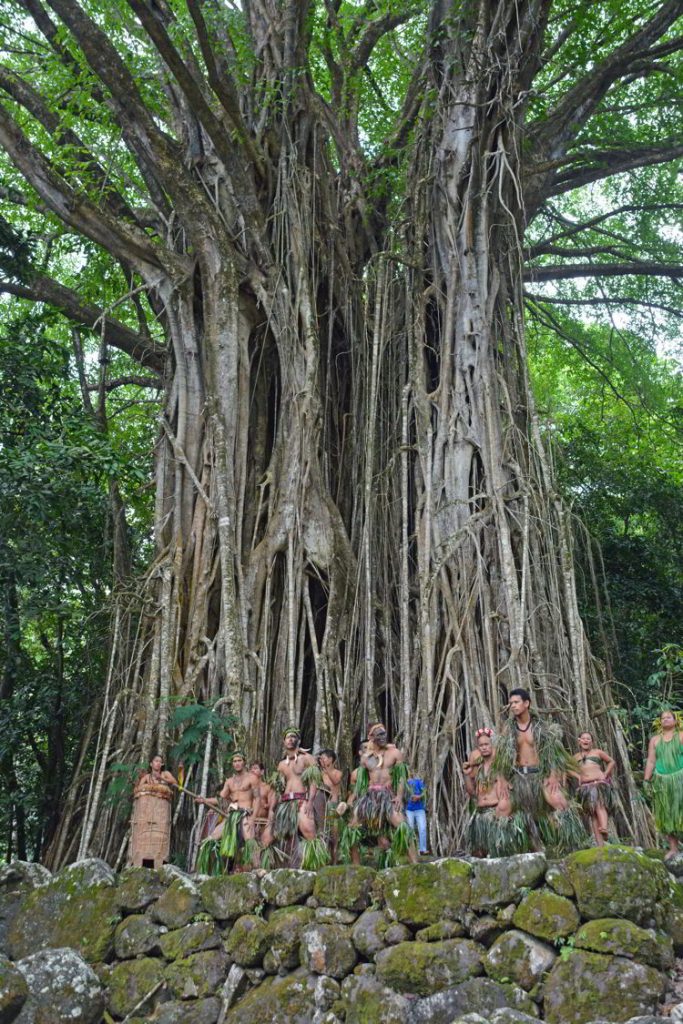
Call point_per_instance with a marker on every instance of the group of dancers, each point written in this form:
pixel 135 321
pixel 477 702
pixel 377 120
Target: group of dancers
pixel 526 790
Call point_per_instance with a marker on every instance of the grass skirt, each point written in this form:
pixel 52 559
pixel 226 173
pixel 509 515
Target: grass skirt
pixel 373 811
pixel 492 836
pixel 591 795
pixel 563 831
pixel 285 822
pixel 667 803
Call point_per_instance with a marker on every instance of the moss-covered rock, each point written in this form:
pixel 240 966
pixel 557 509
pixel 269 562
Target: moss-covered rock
pixel 674 928
pixel 348 886
pixel 13 990
pixel 620 937
pixel 284 938
pixel 423 968
pixel 484 929
pixel 130 981
pixel 476 995
pixel 367 1001
pixel 546 915
pixel 248 940
pixel 61 987
pixel 16 880
pixel 585 987
pixel 178 905
pixel 335 915
pixel 285 887
pixel 228 897
pixel 368 933
pixel 293 999
pixel 137 888
pixel 617 881
pixel 327 949
pixel 135 936
pixel 557 877
pixel 518 957
pixel 422 894
pixel 201 1011
pixel 397 932
pixel 441 931
pixel 498 880
pixel 198 975
pixel 75 909
pixel 193 938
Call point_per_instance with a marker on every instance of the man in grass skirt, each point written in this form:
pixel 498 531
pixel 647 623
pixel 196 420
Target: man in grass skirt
pixel 232 844
pixel 378 802
pixel 531 757
pixel 493 830
pixel 292 831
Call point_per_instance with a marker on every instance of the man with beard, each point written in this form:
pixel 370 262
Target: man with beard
pixel 300 811
pixel 378 804
pixel 531 758
pixel 492 831
pixel 233 840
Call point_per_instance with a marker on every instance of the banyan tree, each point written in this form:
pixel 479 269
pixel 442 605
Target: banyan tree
pixel 318 223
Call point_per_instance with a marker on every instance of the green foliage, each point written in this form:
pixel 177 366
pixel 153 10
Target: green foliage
pixel 194 722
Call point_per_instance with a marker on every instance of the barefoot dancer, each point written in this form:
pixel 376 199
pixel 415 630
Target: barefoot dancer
pixel 232 842
pixel 493 830
pixel 300 811
pixel 595 769
pixel 664 768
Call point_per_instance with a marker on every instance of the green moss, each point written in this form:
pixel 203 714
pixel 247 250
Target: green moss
pixel 439 932
pixel 348 886
pixel 198 975
pixel 198 935
pixel 546 915
pixel 137 888
pixel 423 968
pixel 422 894
pixel 130 981
pixel 248 940
pixel 228 897
pixel 620 937
pixel 518 957
pixel 284 929
pixel 617 881
pixel 367 1001
pixel 584 986
pixel 178 905
pixel 288 1000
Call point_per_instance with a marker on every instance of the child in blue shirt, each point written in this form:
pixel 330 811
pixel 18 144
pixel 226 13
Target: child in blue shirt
pixel 415 810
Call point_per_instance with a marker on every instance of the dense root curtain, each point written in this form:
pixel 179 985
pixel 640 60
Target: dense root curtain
pixel 355 508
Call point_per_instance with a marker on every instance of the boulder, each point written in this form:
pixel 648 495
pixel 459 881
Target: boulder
pixel 367 1001
pixel 509 1016
pixel 17 879
pixel 229 896
pixel 178 905
pixel 423 968
pixel 13 991
pixel 298 998
pixel 484 929
pixel 284 887
pixel 348 886
pixel 620 937
pixel 439 932
pixel 75 909
pixel 193 938
pixel 130 981
pixel 584 987
pixel 518 957
pixel 422 894
pixel 135 936
pixel 557 877
pixel 202 1011
pixel 284 938
pixel 138 887
pixel 327 949
pixel 617 881
pixel 248 941
pixel 61 987
pixel 476 995
pixel 498 880
pixel 396 933
pixel 198 975
pixel 335 915
pixel 368 933
pixel 546 915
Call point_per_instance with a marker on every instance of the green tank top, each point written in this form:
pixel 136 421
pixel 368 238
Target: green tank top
pixel 669 756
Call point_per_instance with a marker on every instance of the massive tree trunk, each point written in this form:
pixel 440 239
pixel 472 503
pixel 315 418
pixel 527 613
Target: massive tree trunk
pixel 355 511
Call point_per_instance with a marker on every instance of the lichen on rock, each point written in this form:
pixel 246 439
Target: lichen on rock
pixel 61 987
pixel 347 886
pixel 497 881
pixel 546 915
pixel 584 987
pixel 248 940
pixel 327 949
pixel 228 897
pixel 618 881
pixel 620 937
pixel 518 957
pixel 284 887
pixel 423 968
pixel 422 894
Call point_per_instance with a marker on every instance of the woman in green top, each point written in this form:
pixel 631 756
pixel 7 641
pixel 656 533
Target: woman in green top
pixel 665 768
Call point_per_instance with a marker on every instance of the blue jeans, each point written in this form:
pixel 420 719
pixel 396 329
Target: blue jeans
pixel 418 821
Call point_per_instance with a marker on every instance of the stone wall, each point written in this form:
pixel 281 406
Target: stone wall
pixel 590 938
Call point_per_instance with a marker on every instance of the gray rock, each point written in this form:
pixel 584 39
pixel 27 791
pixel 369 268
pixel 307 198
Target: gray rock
pixel 557 877
pixel 202 1011
pixel 485 929
pixel 581 984
pixel 518 957
pixel 138 887
pixel 498 880
pixel 509 1016
pixel 135 936
pixel 228 897
pixel 284 887
pixel 335 915
pixel 234 986
pixel 61 987
pixel 169 873
pixel 178 905
pixel 477 995
pixel 439 932
pixel 23 875
pixel 348 886
pixel 423 968
pixel 677 1013
pixel 132 981
pixel 294 999
pixel 422 894
pixel 368 933
pixel 198 975
pixel 248 940
pixel 396 933
pixel 193 938
pixel 327 949
pixel 367 1000
pixel 284 938
pixel 618 881
pixel 91 871
pixel 13 991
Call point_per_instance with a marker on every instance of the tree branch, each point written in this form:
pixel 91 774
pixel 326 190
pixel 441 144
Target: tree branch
pixel 573 270
pixel 44 289
pixel 605 163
